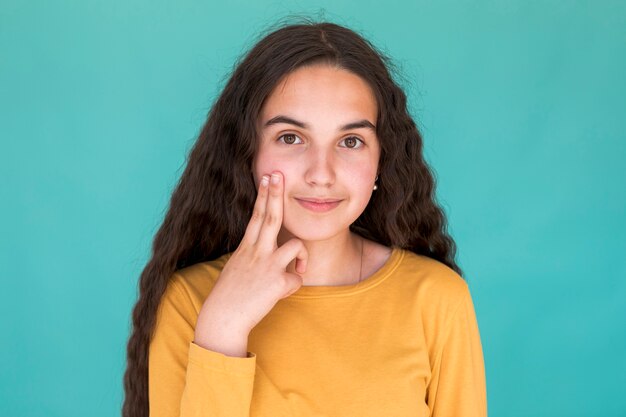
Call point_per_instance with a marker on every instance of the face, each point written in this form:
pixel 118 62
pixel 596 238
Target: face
pixel 317 128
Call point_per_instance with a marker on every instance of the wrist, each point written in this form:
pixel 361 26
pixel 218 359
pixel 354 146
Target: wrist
pixel 228 339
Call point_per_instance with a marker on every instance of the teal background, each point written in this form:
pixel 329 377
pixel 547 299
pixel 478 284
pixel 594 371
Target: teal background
pixel 523 110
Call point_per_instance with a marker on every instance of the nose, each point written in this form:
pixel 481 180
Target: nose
pixel 320 169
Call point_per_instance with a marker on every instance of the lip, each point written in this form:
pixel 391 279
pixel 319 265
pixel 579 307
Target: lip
pixel 318 206
pixel 319 200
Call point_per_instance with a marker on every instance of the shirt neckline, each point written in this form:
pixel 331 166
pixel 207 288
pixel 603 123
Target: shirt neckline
pixel 323 291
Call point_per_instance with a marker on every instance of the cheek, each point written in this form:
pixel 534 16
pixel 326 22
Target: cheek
pixel 262 165
pixel 362 186
pixel 266 163
pixel 362 177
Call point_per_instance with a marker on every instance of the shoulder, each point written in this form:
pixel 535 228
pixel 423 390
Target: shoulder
pixel 429 270
pixel 439 297
pixel 195 282
pixel 432 281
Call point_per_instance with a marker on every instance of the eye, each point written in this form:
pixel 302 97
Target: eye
pixel 290 138
pixel 353 140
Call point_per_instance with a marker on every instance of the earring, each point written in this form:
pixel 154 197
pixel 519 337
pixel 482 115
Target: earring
pixel 375 186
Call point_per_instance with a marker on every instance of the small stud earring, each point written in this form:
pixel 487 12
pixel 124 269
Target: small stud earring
pixel 375 186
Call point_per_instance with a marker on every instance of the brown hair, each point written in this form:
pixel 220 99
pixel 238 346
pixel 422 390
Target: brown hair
pixel 212 203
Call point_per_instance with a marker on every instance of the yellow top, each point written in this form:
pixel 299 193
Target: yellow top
pixel 403 342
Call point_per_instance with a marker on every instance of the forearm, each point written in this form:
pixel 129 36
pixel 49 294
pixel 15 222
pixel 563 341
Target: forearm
pixel 221 335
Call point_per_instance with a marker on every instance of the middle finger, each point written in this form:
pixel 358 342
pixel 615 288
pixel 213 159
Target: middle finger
pixel 273 213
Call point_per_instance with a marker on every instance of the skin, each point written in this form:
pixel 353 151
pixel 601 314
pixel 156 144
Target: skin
pixel 285 245
pixel 322 161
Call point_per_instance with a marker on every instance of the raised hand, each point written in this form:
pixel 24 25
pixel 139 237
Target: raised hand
pixel 255 277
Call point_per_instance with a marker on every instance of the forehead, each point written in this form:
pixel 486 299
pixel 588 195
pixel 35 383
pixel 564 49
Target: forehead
pixel 321 92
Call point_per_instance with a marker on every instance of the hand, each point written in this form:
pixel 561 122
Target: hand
pixel 255 277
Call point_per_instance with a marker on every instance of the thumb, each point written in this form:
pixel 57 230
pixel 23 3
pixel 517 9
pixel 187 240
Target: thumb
pixel 295 282
pixel 293 248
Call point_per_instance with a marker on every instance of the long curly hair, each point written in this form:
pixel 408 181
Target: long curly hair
pixel 213 200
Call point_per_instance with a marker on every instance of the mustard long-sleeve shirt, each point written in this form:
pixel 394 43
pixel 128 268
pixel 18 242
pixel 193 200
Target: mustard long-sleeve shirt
pixel 402 343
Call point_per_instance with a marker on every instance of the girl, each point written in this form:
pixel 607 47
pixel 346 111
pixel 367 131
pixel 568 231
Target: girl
pixel 303 268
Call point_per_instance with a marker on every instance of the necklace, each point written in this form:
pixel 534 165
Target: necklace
pixel 361 268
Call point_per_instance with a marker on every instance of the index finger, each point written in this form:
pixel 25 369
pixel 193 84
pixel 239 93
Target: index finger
pixel 251 234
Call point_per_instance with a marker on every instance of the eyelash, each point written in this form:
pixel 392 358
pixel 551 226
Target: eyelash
pixel 349 137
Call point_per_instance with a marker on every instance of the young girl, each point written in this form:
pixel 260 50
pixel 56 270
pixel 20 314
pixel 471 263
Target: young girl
pixel 303 268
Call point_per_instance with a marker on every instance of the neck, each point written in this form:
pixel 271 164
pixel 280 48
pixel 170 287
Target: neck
pixel 334 261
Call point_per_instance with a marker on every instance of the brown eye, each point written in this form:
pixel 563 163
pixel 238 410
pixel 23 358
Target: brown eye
pixel 289 138
pixel 352 142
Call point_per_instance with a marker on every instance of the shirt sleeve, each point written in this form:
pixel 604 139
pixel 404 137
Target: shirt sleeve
pixel 458 386
pixel 186 380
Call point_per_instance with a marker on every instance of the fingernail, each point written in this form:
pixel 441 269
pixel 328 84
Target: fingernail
pixel 275 178
pixel 265 180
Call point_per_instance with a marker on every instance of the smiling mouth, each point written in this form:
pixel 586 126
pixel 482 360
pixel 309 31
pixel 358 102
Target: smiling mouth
pixel 320 206
pixel 320 200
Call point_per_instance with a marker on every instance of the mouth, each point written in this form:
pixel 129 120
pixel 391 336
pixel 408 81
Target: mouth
pixel 320 200
pixel 318 205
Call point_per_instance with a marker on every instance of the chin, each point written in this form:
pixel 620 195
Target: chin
pixel 312 232
pixel 314 229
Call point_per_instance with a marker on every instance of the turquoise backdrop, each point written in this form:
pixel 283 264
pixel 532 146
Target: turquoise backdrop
pixel 523 109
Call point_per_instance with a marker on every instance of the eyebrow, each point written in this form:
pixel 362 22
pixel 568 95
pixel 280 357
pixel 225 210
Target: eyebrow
pixel 366 124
